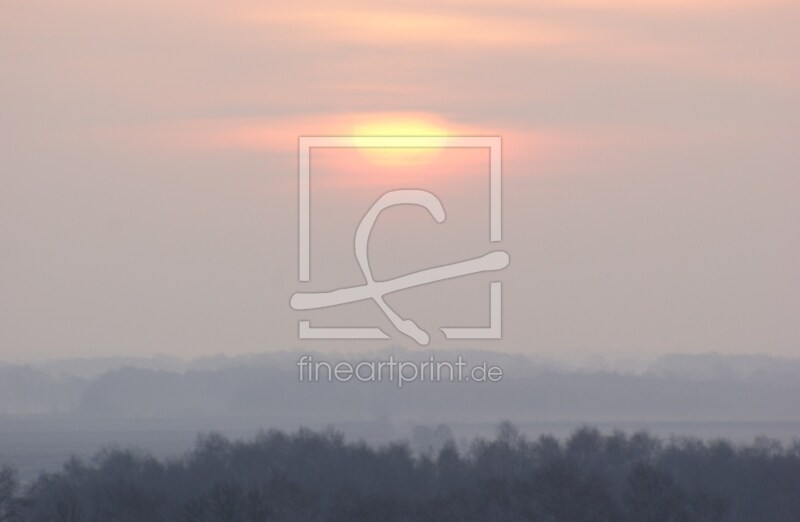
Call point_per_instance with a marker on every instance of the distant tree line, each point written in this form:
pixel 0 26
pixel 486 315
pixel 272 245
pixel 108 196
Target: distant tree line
pixel 312 476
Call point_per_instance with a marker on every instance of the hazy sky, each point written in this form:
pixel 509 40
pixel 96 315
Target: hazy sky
pixel 148 170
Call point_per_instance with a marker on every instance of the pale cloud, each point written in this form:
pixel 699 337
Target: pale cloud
pixel 387 28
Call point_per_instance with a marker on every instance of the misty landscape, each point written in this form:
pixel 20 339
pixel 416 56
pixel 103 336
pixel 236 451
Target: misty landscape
pixel 595 201
pixel 126 431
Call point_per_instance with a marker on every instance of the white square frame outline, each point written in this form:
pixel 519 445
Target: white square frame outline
pixel 306 143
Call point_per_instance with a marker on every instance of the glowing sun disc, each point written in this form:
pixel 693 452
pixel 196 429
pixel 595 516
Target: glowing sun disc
pixel 400 141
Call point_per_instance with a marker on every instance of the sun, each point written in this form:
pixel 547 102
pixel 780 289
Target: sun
pixel 394 140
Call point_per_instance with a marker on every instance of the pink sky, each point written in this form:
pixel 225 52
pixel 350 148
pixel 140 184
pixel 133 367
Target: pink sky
pixel 147 165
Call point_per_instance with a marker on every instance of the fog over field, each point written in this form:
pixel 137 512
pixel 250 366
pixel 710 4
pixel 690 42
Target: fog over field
pixel 51 410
